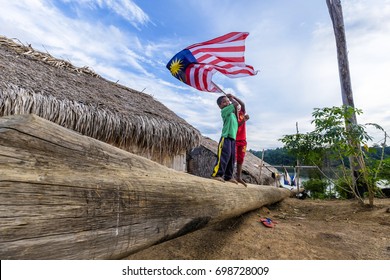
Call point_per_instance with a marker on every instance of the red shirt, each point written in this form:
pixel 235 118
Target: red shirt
pixel 241 132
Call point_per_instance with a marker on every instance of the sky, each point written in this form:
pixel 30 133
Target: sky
pixel 291 44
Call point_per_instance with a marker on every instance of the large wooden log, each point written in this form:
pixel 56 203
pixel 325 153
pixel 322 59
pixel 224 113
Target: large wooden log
pixel 68 196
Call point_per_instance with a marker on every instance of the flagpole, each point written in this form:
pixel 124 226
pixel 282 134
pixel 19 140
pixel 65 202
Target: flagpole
pixel 226 96
pixel 218 88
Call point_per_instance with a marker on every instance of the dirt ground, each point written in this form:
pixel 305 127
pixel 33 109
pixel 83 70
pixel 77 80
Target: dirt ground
pixel 306 230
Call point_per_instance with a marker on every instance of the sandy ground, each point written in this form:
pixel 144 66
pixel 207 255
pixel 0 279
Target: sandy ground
pixel 305 230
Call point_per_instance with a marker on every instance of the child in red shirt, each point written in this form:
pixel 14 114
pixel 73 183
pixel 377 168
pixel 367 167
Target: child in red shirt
pixel 242 117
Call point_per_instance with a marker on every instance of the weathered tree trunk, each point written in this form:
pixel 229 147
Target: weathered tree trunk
pixel 68 196
pixel 357 163
pixel 336 15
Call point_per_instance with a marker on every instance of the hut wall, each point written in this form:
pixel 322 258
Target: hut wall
pixel 179 162
pixel 176 162
pixel 200 162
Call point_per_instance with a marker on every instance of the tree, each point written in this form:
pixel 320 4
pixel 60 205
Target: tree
pixel 338 141
pixel 304 148
pixel 336 15
pixel 278 156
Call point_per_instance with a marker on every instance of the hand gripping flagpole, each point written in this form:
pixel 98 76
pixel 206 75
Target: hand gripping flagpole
pixel 226 96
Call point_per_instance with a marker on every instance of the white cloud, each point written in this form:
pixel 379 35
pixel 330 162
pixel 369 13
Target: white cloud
pixel 126 9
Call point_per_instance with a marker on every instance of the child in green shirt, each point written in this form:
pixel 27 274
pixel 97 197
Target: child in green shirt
pixel 226 154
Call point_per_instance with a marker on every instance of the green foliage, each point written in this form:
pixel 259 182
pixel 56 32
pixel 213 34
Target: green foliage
pixel 338 136
pixel 375 152
pixel 317 188
pixel 384 173
pixel 335 129
pixel 338 142
pixel 278 156
pixel 304 147
pixel 343 189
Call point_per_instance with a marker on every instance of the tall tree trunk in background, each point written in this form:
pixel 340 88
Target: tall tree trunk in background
pixel 336 14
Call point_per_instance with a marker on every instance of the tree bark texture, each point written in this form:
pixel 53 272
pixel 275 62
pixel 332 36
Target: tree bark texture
pixel 68 196
pixel 336 15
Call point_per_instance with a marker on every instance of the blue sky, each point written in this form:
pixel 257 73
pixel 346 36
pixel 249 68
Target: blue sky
pixel 291 43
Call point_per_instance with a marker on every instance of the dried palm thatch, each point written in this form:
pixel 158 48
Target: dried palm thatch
pixel 33 82
pixel 45 57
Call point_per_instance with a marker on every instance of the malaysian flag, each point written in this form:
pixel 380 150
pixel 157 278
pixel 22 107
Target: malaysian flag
pixel 196 64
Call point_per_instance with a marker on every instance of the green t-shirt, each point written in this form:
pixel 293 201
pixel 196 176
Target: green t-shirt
pixel 230 123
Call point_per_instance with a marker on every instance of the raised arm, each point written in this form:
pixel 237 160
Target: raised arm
pixel 233 100
pixel 239 101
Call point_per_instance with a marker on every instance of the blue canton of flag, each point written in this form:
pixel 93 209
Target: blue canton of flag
pixel 179 64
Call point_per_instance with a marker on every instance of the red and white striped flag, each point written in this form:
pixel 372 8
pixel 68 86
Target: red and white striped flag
pixel 196 64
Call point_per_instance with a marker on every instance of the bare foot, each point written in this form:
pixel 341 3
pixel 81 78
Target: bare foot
pixel 233 181
pixel 241 181
pixel 218 179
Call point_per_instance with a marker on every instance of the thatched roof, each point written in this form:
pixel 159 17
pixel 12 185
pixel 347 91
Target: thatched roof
pixel 79 99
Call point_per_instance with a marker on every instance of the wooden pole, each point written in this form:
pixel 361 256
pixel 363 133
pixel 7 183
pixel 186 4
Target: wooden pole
pixel 219 88
pixel 336 15
pixel 298 163
pixel 261 168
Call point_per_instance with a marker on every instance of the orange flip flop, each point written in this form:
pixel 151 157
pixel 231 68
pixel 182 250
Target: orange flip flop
pixel 268 222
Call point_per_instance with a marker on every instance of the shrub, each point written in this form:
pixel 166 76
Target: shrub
pixel 317 188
